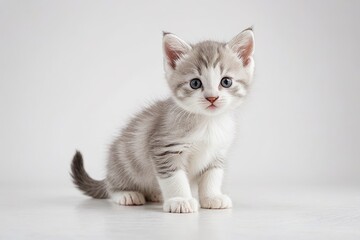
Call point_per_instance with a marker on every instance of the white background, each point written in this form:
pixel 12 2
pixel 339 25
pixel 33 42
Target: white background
pixel 72 73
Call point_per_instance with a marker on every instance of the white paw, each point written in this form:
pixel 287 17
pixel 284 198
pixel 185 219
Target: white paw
pixel 220 201
pixel 181 205
pixel 128 198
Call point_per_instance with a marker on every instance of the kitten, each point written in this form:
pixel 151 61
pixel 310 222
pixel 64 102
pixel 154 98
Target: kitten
pixel 179 144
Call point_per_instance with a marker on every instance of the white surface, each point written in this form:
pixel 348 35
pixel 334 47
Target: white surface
pixel 267 213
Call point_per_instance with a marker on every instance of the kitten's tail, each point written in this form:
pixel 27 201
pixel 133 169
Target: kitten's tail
pixel 90 187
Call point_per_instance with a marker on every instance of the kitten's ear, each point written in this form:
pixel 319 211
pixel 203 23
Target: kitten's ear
pixel 174 49
pixel 243 45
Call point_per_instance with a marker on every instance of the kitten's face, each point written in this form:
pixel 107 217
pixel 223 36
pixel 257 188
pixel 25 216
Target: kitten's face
pixel 209 78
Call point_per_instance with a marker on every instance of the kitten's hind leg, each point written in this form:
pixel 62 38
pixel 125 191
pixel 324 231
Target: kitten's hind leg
pixel 128 198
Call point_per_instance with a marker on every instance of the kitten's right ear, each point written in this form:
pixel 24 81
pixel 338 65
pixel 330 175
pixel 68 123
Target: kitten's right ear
pixel 174 48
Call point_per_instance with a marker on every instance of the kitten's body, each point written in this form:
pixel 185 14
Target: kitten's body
pixel 176 144
pixel 165 129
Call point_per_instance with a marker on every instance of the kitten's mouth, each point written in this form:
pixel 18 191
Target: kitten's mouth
pixel 212 107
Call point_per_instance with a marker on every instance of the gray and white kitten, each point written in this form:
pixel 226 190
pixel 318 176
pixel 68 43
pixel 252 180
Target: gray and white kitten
pixel 175 149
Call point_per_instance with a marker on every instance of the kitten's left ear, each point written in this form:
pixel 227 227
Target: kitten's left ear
pixel 174 49
pixel 243 45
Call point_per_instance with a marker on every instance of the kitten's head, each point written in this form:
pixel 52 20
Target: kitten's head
pixel 209 77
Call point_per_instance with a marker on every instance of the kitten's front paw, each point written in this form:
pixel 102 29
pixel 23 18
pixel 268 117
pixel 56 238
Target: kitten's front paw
pixel 181 205
pixel 220 201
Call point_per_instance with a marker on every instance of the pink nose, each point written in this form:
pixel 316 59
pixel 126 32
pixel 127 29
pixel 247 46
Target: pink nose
pixel 212 99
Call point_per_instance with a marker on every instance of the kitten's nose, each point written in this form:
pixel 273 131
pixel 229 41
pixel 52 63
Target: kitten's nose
pixel 212 99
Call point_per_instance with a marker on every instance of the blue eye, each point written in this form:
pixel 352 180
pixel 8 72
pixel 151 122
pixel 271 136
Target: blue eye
pixel 195 83
pixel 226 82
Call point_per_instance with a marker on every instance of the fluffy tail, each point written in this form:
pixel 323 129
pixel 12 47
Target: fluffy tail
pixel 84 182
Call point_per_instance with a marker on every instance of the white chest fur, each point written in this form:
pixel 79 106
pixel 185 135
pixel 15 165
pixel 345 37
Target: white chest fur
pixel 212 139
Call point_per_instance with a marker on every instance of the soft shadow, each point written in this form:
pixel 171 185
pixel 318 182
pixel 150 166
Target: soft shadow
pixel 106 205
